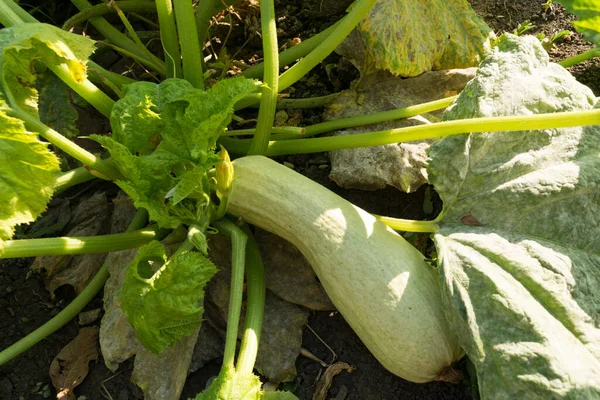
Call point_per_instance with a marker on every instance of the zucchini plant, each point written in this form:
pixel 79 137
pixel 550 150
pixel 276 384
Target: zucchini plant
pixel 516 167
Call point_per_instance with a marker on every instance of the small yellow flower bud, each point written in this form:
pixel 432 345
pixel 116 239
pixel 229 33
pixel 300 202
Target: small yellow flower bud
pixel 224 170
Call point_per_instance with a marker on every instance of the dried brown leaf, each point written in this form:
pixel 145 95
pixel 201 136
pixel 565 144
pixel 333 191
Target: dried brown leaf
pixel 90 218
pixel 327 379
pixel 70 367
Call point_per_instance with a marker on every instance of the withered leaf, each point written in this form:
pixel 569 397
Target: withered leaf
pixel 70 367
pixel 90 218
pixel 327 379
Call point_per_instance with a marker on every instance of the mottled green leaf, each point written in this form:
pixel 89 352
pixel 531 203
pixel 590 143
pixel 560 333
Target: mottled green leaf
pixel 163 298
pixel 409 37
pixel 55 105
pixel 588 17
pixel 28 172
pixel 21 46
pixel 193 121
pixel 136 118
pixel 519 243
pixel 190 182
pixel 163 142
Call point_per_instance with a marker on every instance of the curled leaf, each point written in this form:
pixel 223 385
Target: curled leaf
pixel 327 379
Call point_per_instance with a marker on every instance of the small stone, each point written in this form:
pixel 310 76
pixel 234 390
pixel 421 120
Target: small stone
pixel 6 388
pixel 342 393
pixel 123 395
pixel 87 317
pixel 318 160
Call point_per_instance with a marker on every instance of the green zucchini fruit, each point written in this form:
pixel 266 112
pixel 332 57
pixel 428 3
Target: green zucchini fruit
pixel 378 281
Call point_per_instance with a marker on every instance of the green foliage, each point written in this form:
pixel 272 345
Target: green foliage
pixel 411 37
pixel 56 105
pixel 162 298
pixel 28 171
pixel 22 46
pixel 231 386
pixel 588 17
pixel 163 142
pixel 519 239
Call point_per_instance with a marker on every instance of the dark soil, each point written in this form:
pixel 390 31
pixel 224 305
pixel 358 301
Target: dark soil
pixel 25 304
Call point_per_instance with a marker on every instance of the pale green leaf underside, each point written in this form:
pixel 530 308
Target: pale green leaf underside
pixel 411 37
pixel 588 17
pixel 166 305
pixel 28 172
pixel 519 244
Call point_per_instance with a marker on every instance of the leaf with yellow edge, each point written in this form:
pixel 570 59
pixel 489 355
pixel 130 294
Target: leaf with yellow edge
pixel 409 37
pixel 28 172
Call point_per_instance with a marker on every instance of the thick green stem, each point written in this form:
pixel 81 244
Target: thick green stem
pixel 292 54
pixel 378 117
pixel 255 306
pixel 359 11
pixel 591 53
pixel 238 255
pixel 99 75
pixel 188 41
pixel 78 245
pixel 206 9
pixel 408 225
pixel 132 33
pixel 122 41
pixel 266 113
pixel 8 14
pixel 309 102
pixel 437 130
pixel 98 10
pixel 86 89
pixel 284 130
pixel 69 312
pixel 168 36
pixel 71 178
pixel 107 170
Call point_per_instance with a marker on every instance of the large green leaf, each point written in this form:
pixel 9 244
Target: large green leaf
pixel 409 37
pixel 519 244
pixel 588 17
pixel 163 142
pixel 21 46
pixel 163 299
pixel 28 172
